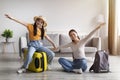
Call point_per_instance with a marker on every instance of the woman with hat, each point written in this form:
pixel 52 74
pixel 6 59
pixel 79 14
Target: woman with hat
pixel 36 33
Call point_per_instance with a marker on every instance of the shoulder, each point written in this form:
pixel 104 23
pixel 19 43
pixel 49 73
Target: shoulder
pixel 29 26
pixel 70 43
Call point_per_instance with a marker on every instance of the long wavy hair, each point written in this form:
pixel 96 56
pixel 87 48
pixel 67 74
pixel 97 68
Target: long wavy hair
pixel 73 30
pixel 35 30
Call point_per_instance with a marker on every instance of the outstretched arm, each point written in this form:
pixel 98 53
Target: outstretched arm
pixel 49 39
pixel 93 32
pixel 21 22
pixel 64 46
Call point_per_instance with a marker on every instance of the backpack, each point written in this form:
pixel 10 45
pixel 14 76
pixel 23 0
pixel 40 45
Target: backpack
pixel 101 63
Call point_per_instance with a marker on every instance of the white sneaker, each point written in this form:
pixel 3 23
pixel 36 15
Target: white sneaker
pixel 49 67
pixel 21 70
pixel 79 71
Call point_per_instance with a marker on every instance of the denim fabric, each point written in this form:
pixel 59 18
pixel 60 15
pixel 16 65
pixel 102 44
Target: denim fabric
pixel 75 64
pixel 37 46
pixel 80 63
pixel 66 64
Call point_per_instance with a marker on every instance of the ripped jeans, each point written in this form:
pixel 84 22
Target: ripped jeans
pixel 37 46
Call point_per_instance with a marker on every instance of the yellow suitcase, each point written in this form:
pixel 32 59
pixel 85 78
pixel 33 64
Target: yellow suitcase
pixel 39 62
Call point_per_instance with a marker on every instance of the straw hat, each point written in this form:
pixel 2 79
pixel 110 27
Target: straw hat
pixel 42 18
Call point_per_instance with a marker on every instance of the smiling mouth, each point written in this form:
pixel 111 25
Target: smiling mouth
pixel 40 26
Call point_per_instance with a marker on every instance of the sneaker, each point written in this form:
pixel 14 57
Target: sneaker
pixel 21 70
pixel 49 67
pixel 78 71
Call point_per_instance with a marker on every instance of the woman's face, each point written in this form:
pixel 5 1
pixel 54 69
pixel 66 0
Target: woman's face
pixel 73 35
pixel 39 23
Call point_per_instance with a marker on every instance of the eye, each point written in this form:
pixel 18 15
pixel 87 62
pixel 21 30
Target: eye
pixel 71 34
pixel 41 21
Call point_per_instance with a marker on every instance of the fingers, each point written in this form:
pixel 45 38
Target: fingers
pixel 54 49
pixel 7 16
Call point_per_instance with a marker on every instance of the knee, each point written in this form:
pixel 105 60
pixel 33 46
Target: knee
pixel 52 54
pixel 60 60
pixel 49 53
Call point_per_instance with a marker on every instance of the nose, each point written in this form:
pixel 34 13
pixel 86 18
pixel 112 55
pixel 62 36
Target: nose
pixel 72 36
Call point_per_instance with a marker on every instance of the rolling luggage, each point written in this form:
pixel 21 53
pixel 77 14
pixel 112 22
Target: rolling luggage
pixel 39 62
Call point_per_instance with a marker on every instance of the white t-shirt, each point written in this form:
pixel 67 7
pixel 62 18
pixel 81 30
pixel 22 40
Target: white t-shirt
pixel 78 49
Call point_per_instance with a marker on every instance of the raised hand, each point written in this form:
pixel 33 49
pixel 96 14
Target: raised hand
pixel 18 21
pixel 54 49
pixel 8 16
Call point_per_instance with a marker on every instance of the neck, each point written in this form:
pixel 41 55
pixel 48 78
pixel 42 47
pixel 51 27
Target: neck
pixel 76 41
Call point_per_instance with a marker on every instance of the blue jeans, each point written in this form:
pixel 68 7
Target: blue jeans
pixel 75 64
pixel 37 46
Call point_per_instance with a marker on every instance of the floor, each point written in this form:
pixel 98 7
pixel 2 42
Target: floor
pixel 10 62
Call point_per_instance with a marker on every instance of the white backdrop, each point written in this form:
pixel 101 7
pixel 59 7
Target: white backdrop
pixel 61 15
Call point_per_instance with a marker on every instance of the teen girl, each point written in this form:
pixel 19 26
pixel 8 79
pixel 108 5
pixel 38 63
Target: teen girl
pixel 79 63
pixel 36 33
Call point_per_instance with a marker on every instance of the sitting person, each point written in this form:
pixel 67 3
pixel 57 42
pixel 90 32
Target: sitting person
pixel 79 63
pixel 36 33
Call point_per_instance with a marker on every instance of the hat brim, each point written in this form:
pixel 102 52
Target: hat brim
pixel 40 17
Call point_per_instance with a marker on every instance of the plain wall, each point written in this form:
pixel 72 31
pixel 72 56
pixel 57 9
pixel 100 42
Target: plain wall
pixel 61 16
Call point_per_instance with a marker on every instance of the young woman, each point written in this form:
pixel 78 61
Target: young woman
pixel 79 63
pixel 36 33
